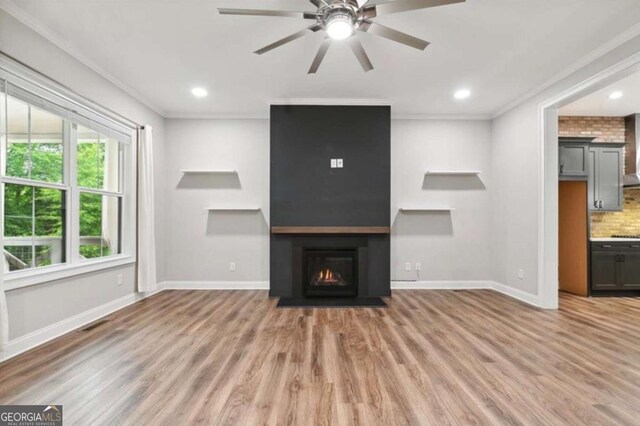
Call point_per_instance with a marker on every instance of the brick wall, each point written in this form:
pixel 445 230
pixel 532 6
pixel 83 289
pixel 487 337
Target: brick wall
pixel 604 129
pixel 626 222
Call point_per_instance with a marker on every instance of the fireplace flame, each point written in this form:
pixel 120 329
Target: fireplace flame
pixel 326 276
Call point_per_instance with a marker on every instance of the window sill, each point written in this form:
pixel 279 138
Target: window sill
pixel 27 278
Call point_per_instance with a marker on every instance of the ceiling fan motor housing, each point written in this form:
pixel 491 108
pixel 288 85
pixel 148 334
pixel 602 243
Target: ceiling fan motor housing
pixel 338 12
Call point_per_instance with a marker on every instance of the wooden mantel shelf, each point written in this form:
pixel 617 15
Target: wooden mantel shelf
pixel 330 230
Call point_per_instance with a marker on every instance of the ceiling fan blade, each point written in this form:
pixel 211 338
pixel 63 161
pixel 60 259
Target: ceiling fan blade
pixel 319 56
pixel 318 3
pixel 403 6
pixel 391 34
pixel 358 50
pixel 261 12
pixel 287 39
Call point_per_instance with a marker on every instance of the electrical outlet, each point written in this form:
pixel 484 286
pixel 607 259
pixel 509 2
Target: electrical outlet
pixel 232 266
pixel 340 163
pixel 334 163
pixel 119 279
pixel 521 274
pixel 418 267
pixel 407 266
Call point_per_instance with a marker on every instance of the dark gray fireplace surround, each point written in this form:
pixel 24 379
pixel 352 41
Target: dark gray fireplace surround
pixel 307 192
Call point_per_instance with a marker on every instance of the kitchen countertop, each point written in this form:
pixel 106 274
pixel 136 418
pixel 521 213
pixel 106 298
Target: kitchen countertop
pixel 608 240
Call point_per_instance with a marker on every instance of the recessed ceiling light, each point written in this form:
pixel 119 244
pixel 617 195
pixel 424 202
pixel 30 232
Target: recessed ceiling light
pixel 199 92
pixel 615 95
pixel 462 94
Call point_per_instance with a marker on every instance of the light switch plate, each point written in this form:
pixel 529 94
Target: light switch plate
pixel 334 163
pixel 340 163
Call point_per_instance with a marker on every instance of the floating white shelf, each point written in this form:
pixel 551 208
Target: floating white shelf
pixel 454 173
pixel 427 209
pixel 208 172
pixel 233 209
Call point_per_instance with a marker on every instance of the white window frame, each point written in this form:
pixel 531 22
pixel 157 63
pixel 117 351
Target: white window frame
pixel 97 120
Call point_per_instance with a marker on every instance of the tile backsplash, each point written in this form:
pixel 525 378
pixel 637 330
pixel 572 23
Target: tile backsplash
pixel 626 222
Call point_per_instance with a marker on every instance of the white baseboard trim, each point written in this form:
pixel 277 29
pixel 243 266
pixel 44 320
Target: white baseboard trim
pixel 36 338
pixel 441 285
pixel 523 296
pixel 216 285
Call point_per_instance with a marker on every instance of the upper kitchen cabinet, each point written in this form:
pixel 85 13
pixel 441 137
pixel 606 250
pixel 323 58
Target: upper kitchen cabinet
pixel 605 166
pixel 573 158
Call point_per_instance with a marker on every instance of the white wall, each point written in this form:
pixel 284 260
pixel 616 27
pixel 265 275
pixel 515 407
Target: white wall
pixel 449 246
pixel 42 305
pixel 518 161
pixel 515 201
pixel 202 244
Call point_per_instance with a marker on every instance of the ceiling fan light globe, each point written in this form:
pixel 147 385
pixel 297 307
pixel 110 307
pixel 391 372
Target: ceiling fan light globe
pixel 339 29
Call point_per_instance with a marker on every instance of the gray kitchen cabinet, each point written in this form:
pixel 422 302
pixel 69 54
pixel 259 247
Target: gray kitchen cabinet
pixel 629 270
pixel 615 266
pixel 572 158
pixel 605 165
pixel 604 271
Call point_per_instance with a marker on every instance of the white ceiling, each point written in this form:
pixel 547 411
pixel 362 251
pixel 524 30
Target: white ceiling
pixel 500 49
pixel 599 104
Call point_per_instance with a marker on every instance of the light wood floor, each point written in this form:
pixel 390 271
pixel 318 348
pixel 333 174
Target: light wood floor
pixel 432 357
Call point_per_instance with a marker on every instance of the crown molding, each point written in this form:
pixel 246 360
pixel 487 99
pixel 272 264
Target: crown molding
pixel 215 116
pixel 329 101
pixel 576 66
pixel 442 117
pixel 415 117
pixel 25 18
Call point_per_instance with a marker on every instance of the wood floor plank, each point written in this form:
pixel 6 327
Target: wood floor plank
pixel 430 357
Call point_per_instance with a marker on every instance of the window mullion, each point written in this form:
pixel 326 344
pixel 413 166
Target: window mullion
pixel 74 196
pixel 100 192
pixel 67 164
pixel 3 154
pixel 36 183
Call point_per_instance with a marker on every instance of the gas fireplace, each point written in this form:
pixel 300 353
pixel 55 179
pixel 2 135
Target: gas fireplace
pixel 330 272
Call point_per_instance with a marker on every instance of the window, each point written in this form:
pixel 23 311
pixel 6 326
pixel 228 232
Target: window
pixel 34 223
pixel 67 185
pixel 98 177
pixel 34 204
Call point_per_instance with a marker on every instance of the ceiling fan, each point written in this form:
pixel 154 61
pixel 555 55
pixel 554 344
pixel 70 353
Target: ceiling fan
pixel 340 19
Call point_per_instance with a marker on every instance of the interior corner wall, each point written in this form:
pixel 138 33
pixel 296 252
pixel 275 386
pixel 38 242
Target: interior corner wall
pixel 36 307
pixel 517 173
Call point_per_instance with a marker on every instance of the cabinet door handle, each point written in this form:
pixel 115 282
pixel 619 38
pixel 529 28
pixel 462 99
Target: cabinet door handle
pixel 607 246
